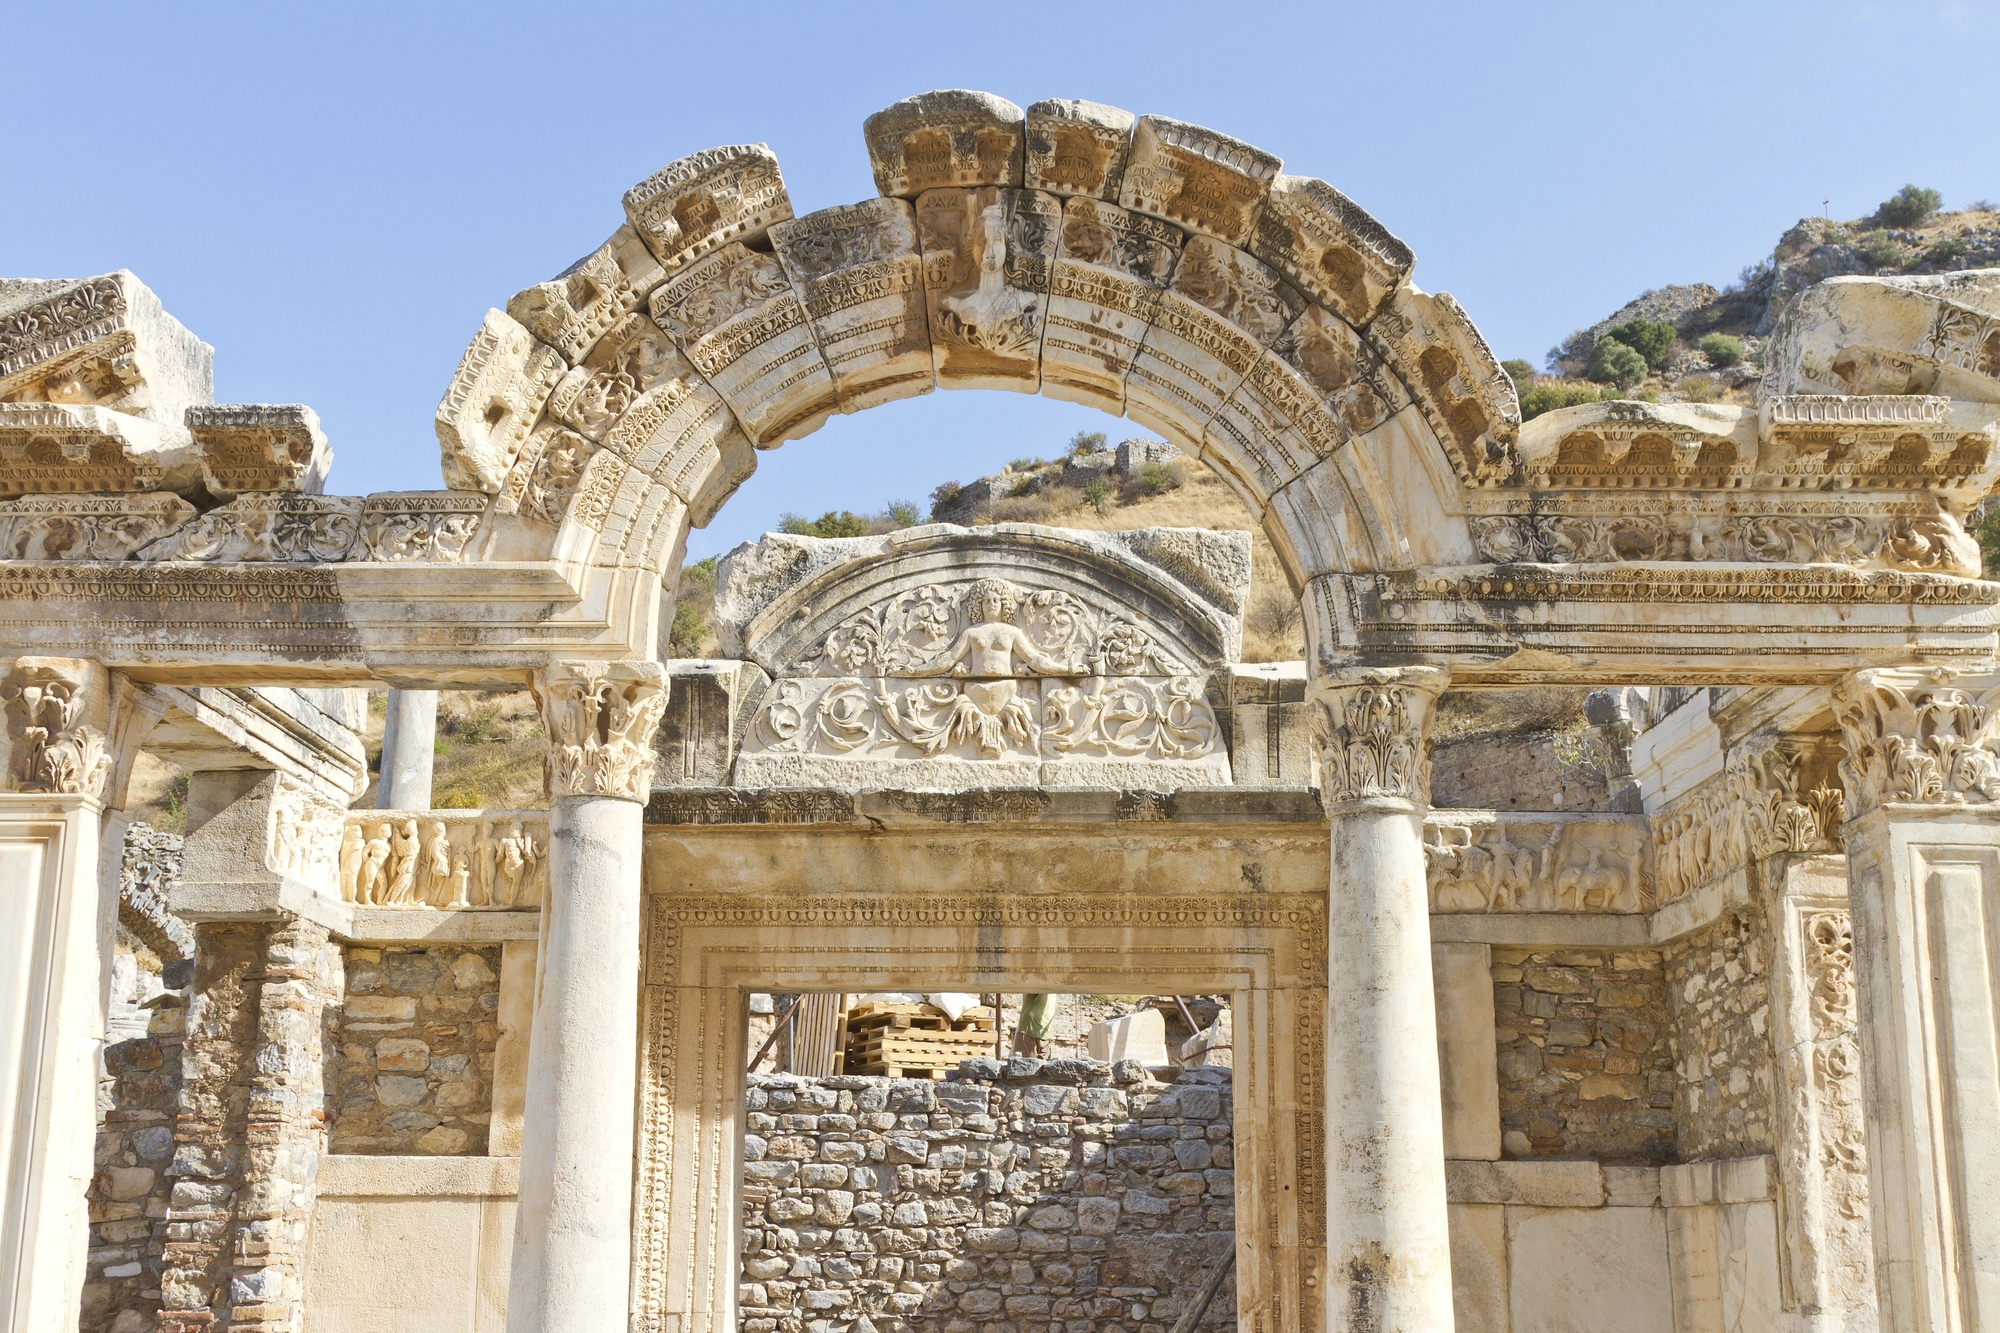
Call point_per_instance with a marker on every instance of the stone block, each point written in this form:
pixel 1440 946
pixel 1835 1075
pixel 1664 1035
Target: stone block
pixel 1631 1186
pixel 1602 1270
pixel 1478 1268
pixel 1104 289
pixel 1140 1036
pixel 1197 178
pixel 692 206
pixel 1462 979
pixel 1746 1179
pixel 1076 147
pixel 493 401
pixel 63 448
pixel 860 270
pixel 1330 247
pixel 708 705
pixel 1539 1184
pixel 739 321
pixel 1214 321
pixel 103 341
pixel 259 447
pixel 949 137
pixel 402 1055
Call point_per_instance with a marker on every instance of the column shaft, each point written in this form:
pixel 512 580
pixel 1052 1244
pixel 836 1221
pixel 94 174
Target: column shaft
pixel 409 750
pixel 1388 1245
pixel 573 1231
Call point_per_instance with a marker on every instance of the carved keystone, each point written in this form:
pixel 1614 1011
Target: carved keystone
pixel 1331 247
pixel 952 136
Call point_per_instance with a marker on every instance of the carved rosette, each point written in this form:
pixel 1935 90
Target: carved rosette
pixel 57 710
pixel 1914 737
pixel 1372 733
pixel 600 718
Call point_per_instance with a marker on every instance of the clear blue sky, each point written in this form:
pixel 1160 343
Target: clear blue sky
pixel 332 195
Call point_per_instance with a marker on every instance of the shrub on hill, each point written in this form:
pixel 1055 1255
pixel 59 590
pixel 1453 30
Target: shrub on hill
pixel 1613 362
pixel 1721 349
pixel 1650 338
pixel 1909 206
pixel 1548 396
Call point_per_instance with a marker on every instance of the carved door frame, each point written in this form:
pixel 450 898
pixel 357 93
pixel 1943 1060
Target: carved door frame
pixel 705 954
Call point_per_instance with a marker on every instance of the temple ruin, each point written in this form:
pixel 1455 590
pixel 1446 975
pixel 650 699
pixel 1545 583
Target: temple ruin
pixel 1718 1055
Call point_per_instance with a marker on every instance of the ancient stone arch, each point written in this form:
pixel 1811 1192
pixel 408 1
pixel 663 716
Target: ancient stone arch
pixel 171 563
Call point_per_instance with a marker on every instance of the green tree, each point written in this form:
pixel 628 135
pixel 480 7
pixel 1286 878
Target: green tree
pixel 1882 250
pixel 1521 373
pixel 689 629
pixel 1097 495
pixel 1909 206
pixel 833 523
pixel 904 513
pixel 1612 362
pixel 1087 442
pixel 1650 338
pixel 1549 397
pixel 1721 349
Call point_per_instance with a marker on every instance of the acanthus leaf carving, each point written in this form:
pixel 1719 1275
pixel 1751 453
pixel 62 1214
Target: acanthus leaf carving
pixel 1780 799
pixel 600 719
pixel 57 710
pixel 1912 737
pixel 1372 733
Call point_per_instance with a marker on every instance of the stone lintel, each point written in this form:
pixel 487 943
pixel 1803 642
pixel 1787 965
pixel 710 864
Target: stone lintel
pixel 795 805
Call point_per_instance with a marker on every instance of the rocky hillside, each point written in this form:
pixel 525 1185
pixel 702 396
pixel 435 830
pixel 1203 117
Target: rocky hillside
pixel 1695 343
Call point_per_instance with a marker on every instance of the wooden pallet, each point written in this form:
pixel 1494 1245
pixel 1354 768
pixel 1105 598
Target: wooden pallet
pixel 913 1052
pixel 916 1017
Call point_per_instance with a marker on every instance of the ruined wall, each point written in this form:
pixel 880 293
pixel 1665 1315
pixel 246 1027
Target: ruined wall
pixel 1719 981
pixel 416 1038
pixel 137 1101
pixel 1586 1070
pixel 1027 1198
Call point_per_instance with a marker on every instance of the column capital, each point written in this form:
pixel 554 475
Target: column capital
pixel 1372 733
pixel 600 718
pixel 1916 736
pixel 58 719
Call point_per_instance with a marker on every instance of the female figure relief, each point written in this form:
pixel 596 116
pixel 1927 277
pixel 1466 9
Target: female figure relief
pixel 988 709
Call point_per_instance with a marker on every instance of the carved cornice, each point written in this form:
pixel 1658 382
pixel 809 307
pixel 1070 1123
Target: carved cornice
pixel 1372 732
pixel 600 718
pixel 1912 737
pixel 57 711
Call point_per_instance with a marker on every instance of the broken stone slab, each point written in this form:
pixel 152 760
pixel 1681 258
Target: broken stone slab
pixel 419 525
pixel 986 255
pixel 1104 290
pixel 87 527
pixel 103 340
pixel 697 204
pixel 66 449
pixel 1937 334
pixel 1330 247
pixel 493 401
pixel 1467 399
pixel 1879 441
pixel 571 311
pixel 259 447
pixel 265 526
pixel 1197 178
pixel 1076 147
pixel 947 137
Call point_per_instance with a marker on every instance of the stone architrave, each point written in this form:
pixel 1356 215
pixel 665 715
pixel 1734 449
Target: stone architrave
pixel 1104 289
pixel 1922 777
pixel 1388 1267
pixel 951 137
pixel 1222 310
pixel 986 253
pixel 87 527
pixel 1897 336
pixel 1198 179
pixel 572 1239
pixel 740 322
pixel 1077 147
pixel 1327 244
pixel 693 206
pixel 259 447
pixel 860 270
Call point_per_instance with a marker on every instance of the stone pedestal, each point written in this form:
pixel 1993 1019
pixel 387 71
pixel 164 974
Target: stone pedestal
pixel 1388 1247
pixel 573 1234
pixel 1923 854
pixel 409 750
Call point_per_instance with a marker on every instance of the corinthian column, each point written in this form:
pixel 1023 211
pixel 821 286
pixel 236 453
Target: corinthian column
pixel 573 1232
pixel 1922 775
pixel 1388 1252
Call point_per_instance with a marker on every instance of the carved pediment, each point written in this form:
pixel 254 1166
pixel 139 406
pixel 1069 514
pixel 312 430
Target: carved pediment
pixel 1016 656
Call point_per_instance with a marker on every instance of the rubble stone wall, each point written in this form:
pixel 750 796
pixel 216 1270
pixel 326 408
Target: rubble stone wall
pixel 1586 1068
pixel 137 1102
pixel 1720 982
pixel 1028 1197
pixel 414 1069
